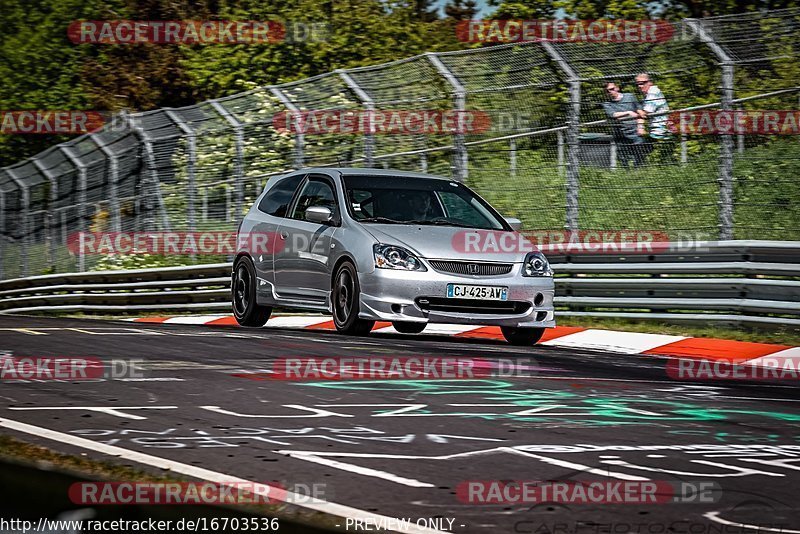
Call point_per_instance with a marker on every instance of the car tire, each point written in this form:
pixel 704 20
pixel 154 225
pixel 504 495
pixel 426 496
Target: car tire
pixel 345 298
pixel 522 336
pixel 405 327
pixel 243 295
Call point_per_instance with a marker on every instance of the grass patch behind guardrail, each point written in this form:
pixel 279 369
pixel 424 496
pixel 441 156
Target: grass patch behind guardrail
pixel 678 199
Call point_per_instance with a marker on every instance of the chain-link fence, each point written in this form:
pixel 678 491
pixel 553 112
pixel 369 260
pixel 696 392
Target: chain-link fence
pixel 549 155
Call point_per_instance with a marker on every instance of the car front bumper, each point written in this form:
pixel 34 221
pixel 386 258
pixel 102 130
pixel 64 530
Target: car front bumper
pixel 393 295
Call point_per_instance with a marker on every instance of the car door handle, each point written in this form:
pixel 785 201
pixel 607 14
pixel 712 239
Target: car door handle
pixel 284 235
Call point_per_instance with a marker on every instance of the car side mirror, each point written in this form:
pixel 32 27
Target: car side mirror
pixel 514 223
pixel 319 214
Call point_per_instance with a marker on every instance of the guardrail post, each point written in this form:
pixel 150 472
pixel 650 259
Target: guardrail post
pixel 369 105
pixel 49 217
pixel 113 167
pixel 150 184
pixel 573 129
pixel 82 227
pixel 26 220
pixel 460 102
pixel 299 140
pixel 238 163
pixel 191 161
pixel 726 152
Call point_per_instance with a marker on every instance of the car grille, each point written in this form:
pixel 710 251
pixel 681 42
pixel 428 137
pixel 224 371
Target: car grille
pixel 472 267
pixel 443 304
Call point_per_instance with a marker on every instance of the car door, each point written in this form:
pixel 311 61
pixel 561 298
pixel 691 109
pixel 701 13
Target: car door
pixel 264 223
pixel 303 264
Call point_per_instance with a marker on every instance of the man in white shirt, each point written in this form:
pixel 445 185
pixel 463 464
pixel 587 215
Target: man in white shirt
pixel 656 109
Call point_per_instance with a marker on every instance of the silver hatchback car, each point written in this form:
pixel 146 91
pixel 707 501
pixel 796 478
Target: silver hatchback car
pixel 373 245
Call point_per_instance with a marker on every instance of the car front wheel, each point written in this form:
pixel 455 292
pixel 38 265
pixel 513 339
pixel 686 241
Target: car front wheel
pixel 522 336
pixel 345 298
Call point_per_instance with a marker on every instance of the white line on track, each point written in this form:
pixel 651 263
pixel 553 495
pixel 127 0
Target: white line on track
pixel 338 510
pixel 320 457
pixel 714 516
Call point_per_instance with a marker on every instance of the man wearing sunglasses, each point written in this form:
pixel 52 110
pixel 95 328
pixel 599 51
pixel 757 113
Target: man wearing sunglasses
pixel 623 109
pixel 656 110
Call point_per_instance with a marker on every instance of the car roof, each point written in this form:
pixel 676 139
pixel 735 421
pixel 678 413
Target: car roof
pixel 378 173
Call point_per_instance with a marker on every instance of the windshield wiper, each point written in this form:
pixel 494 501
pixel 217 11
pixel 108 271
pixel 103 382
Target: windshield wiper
pixel 436 222
pixel 385 220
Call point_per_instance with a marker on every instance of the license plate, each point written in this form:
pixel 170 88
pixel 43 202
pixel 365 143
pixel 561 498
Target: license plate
pixel 460 291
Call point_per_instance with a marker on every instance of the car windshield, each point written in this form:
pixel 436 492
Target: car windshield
pixel 410 200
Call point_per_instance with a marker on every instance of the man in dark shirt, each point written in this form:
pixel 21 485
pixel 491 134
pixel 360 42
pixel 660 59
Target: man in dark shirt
pixel 623 110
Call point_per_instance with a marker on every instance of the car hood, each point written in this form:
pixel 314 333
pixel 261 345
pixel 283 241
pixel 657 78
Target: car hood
pixel 447 242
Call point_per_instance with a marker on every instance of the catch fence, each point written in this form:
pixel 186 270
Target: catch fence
pixel 545 155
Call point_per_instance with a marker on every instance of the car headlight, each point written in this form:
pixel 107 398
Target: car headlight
pixel 536 265
pixel 394 257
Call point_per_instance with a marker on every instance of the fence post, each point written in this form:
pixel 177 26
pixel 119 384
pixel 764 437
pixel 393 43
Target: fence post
pixel 726 152
pixel 191 161
pixel 512 157
pixel 2 231
pixel 50 226
pixel 27 227
pixel 113 166
pixel 460 103
pixel 150 185
pixel 299 141
pixel 369 105
pixel 204 210
pixel 227 202
pixel 82 186
pixel 684 146
pixel 238 164
pixel 740 136
pixel 573 129
pixel 613 155
pixel 726 163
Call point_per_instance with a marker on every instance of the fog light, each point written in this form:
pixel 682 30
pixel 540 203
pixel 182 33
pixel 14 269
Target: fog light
pixel 538 299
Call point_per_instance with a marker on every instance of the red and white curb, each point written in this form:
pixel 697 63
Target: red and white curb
pixel 735 352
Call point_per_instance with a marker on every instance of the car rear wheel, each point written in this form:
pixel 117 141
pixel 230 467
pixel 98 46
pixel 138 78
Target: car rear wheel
pixel 522 336
pixel 345 302
pixel 409 328
pixel 243 295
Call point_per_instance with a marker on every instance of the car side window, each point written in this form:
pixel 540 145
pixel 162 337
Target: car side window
pixel 277 199
pixel 315 192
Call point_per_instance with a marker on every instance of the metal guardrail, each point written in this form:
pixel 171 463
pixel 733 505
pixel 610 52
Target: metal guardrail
pixel 752 282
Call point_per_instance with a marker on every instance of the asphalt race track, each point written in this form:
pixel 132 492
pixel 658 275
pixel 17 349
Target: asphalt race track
pixel 401 448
